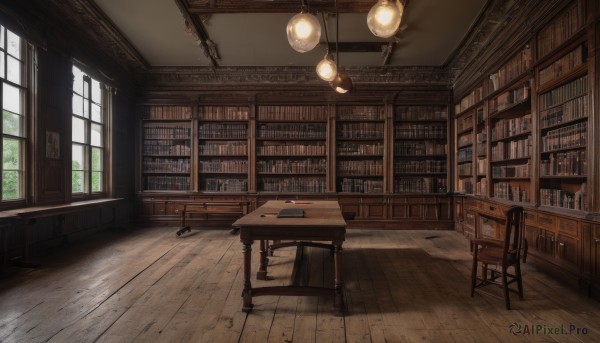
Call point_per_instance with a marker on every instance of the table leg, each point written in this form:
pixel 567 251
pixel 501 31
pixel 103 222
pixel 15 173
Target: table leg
pixel 338 282
pixel 264 261
pixel 247 292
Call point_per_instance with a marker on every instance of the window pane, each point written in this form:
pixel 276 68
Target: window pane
pixel 86 85
pixel 11 184
pixel 11 98
pixel 96 113
pixel 96 135
pixel 86 108
pixel 77 105
pixel 11 154
pixel 96 92
pixel 77 81
pixel 97 164
pixel 78 162
pixel 78 132
pixel 12 123
pixel 97 182
pixel 77 181
pixel 13 70
pixel 1 37
pixel 1 64
pixel 13 45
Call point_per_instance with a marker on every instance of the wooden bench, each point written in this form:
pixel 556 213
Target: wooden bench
pixel 29 215
pixel 209 208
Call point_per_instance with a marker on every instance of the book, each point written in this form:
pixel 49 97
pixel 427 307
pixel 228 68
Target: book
pixel 291 213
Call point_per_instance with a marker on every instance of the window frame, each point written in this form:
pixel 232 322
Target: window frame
pixel 26 75
pixel 88 146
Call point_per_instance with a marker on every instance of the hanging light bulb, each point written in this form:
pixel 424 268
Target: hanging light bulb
pixel 342 83
pixel 384 18
pixel 326 69
pixel 303 32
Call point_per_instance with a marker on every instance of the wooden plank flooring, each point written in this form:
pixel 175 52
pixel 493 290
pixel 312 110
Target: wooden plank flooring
pixel 147 285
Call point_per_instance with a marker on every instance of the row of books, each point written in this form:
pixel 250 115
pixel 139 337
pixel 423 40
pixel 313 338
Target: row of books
pixel 166 112
pixel 223 112
pixel 518 171
pixel 571 163
pixel 563 65
pixel 506 128
pixel 481 186
pixel 223 148
pixel 421 113
pixel 292 113
pixel 293 184
pixel 166 183
pixel 480 115
pixel 223 166
pixel 437 131
pixel 421 185
pixel 562 28
pixel 166 147
pixel 469 100
pixel 426 166
pixel 167 132
pixel 287 166
pixel 465 185
pixel 568 111
pixel 359 149
pixel 464 140
pixel 167 165
pixel 465 169
pixel 562 94
pixel 481 164
pixel 465 122
pixel 292 130
pixel 510 150
pixel 360 130
pixel 313 149
pixel 481 137
pixel 216 130
pixel 508 191
pixel 564 198
pixel 361 113
pixel 361 186
pixel 225 185
pixel 465 154
pixel 481 149
pixel 512 69
pixel 360 168
pixel 509 98
pixel 572 136
pixel 420 148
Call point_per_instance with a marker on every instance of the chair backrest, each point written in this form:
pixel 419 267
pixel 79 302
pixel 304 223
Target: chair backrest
pixel 513 233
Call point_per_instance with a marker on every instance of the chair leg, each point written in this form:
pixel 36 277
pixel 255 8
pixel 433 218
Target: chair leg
pixel 505 287
pixel 519 280
pixel 474 273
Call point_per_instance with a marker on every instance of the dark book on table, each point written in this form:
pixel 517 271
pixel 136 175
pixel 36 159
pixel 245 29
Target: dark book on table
pixel 290 213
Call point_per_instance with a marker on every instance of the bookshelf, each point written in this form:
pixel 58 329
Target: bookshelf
pixel 481 152
pixel 223 149
pixel 420 149
pixel 166 148
pixel 291 149
pixel 467 111
pixel 360 149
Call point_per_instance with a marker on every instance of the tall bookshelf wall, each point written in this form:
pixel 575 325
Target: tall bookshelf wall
pixel 291 149
pixel 522 136
pixel 360 132
pixel 166 149
pixel 420 149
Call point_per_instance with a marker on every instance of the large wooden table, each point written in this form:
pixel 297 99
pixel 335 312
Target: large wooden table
pixel 322 222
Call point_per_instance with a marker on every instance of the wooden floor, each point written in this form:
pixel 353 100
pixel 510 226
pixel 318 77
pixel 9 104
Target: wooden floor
pixel 146 285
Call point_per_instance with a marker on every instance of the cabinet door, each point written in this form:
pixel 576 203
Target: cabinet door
pixel 567 250
pixel 596 251
pixel 533 237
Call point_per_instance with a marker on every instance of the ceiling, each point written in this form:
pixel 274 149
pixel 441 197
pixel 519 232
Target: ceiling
pixel 228 33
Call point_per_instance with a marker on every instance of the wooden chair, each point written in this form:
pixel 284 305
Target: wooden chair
pixel 497 256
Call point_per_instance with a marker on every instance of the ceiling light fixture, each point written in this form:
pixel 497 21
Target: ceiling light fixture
pixel 342 83
pixel 303 31
pixel 384 18
pixel 326 69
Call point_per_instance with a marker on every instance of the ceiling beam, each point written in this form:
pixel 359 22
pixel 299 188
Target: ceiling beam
pixel 357 46
pixel 278 6
pixel 195 25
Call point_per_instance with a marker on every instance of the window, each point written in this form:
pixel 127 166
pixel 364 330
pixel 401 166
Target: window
pixel 88 134
pixel 12 99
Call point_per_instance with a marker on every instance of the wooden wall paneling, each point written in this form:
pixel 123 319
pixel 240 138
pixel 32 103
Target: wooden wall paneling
pixel 594 105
